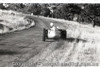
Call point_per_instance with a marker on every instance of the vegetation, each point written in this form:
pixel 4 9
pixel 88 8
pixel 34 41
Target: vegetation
pixel 83 13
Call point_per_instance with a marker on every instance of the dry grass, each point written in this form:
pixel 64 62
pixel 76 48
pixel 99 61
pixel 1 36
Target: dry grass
pixel 83 46
pixel 14 20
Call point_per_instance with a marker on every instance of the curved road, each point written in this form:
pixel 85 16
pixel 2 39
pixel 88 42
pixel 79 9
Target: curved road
pixel 20 46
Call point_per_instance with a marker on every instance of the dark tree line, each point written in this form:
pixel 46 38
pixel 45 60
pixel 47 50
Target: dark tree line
pixel 83 13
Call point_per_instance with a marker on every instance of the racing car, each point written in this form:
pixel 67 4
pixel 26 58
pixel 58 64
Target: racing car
pixel 62 34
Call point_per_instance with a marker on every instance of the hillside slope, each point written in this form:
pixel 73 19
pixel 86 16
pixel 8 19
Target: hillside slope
pixel 81 47
pixel 12 21
pixel 26 49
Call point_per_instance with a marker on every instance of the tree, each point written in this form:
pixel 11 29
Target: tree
pixel 45 12
pixel 1 6
pixel 67 11
pixel 35 9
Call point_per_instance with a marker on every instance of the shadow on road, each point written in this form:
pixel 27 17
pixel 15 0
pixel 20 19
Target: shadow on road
pixel 77 40
pixel 50 40
pixel 59 44
pixel 7 52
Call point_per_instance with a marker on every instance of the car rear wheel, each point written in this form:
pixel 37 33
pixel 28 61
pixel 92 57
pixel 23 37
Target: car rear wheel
pixel 63 34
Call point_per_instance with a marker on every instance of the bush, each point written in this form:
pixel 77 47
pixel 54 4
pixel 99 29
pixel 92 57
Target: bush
pixel 67 11
pixel 1 6
pixel 45 12
pixel 83 12
pixel 35 9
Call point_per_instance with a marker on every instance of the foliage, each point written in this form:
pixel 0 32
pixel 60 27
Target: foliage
pixel 1 6
pixel 16 7
pixel 35 9
pixel 45 12
pixel 67 11
pixel 85 13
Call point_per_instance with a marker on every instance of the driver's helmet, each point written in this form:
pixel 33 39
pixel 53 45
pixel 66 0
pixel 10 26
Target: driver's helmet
pixel 51 24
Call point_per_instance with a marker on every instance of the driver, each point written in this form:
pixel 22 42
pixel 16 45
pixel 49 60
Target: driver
pixel 52 31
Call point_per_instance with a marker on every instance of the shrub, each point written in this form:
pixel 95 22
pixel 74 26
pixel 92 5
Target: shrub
pixel 35 9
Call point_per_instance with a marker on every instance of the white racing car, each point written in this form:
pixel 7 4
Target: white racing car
pixel 54 35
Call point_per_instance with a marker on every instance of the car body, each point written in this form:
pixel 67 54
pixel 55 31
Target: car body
pixel 61 33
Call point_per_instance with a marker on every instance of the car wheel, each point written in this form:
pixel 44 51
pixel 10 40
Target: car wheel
pixel 63 34
pixel 44 34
